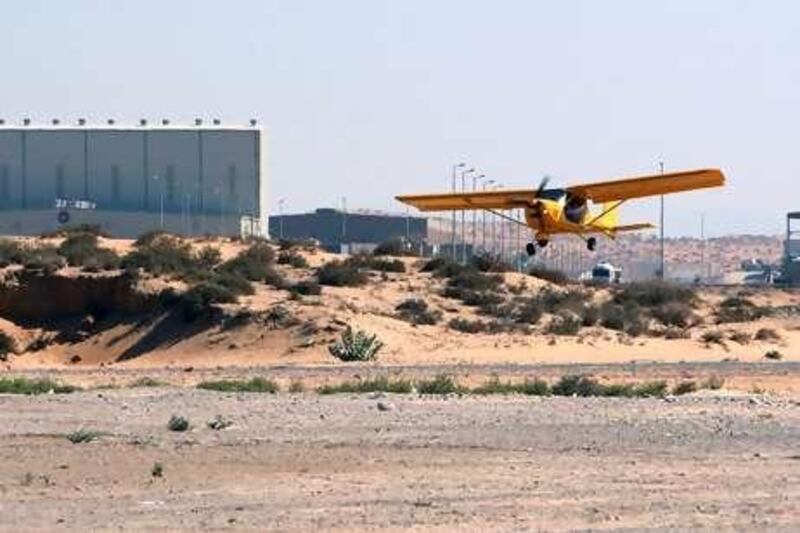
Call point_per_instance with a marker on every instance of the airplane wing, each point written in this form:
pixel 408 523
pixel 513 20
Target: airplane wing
pixel 508 199
pixel 649 185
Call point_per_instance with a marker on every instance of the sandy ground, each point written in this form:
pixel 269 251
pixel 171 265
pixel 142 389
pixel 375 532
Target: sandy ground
pixel 303 462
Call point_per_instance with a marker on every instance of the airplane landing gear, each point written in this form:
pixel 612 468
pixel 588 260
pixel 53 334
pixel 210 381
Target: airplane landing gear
pixel 591 243
pixel 531 249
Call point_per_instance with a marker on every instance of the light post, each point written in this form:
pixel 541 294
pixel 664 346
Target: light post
pixel 661 229
pixel 464 216
pixel 494 227
pixel 475 180
pixel 158 179
pixel 483 222
pixel 281 203
pixel 453 229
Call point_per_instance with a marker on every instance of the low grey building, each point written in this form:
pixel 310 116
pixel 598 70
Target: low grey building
pixel 199 179
pixel 334 228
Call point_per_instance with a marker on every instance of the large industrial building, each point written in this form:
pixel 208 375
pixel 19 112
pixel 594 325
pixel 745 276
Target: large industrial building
pixel 192 180
pixel 339 230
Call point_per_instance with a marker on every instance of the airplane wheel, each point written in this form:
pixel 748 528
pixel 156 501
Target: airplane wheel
pixel 531 249
pixel 591 243
pixel 542 243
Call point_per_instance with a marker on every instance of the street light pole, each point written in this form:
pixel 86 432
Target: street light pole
pixel 483 223
pixel 464 216
pixel 661 229
pixel 475 180
pixel 281 202
pixel 453 229
pixel 158 179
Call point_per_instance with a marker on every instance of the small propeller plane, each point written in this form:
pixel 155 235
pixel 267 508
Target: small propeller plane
pixel 569 210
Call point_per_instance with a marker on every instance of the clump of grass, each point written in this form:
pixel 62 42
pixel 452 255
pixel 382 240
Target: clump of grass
pixel 219 422
pixel 162 254
pixel 178 423
pixel 684 387
pixel 356 346
pixel 535 387
pixel 739 337
pixel 377 384
pixel 296 386
pixel 767 335
pixel 256 384
pixel 147 381
pixel 27 386
pixel 713 383
pixel 255 264
pixel 774 355
pixel 157 470
pixel 441 384
pixel 82 436
pixel 379 264
pixel 417 312
pixel 713 337
pixel 341 274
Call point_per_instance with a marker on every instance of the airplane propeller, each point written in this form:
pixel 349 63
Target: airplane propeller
pixel 542 185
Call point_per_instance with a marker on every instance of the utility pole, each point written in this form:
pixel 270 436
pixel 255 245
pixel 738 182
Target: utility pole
pixel 453 229
pixel 661 272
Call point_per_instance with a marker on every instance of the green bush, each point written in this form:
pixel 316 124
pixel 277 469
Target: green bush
pixel 368 262
pixel 534 387
pixel 33 386
pixel 565 323
pixel 574 385
pixel 341 274
pixel 629 318
pixel 162 254
pixel 306 288
pixel 467 326
pixel 767 335
pixel 255 264
pixel 393 247
pixel 82 435
pixel 674 314
pixel 739 309
pixel 208 258
pixel 489 262
pixel 11 252
pixel 44 258
pixel 356 346
pixel 654 294
pixel 82 249
pixel 257 384
pixel 178 423
pixel 293 259
pixel 200 299
pixel 548 274
pixel 417 312
pixel 444 267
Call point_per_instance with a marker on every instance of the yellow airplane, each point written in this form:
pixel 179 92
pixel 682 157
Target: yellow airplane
pixel 553 211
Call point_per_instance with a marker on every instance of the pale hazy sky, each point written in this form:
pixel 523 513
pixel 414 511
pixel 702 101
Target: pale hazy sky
pixel 367 99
